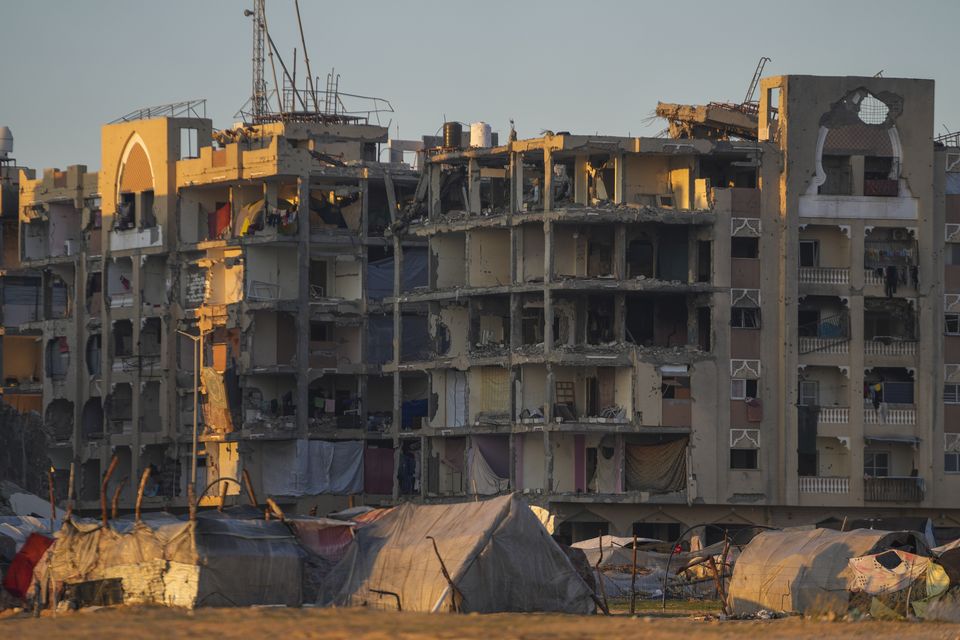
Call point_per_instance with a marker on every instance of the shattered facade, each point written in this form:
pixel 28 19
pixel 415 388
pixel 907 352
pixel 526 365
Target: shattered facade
pixel 751 322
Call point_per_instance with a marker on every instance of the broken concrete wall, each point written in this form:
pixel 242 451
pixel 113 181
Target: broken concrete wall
pixel 488 253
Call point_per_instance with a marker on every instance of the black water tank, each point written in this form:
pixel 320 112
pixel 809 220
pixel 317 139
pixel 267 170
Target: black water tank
pixel 452 135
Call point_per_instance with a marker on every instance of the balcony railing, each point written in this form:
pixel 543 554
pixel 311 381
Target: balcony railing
pixel 890 416
pixel 824 275
pixel 824 484
pixel 903 489
pixel 890 347
pixel 834 415
pixel 824 345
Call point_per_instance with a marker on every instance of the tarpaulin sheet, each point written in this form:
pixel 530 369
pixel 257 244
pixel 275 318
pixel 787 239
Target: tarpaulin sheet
pixel 19 574
pixel 311 467
pixel 497 553
pixel 805 571
pixel 481 479
pixel 324 537
pixel 378 470
pixel 657 467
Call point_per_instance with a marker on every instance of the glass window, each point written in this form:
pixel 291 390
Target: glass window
pixel 876 464
pixel 951 462
pixel 743 458
pixel 951 324
pixel 745 318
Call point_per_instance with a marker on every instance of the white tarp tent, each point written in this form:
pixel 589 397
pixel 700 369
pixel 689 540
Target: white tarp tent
pixel 498 555
pixel 317 467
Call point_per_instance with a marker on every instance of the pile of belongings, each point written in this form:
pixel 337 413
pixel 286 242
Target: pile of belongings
pixel 896 584
pixel 690 574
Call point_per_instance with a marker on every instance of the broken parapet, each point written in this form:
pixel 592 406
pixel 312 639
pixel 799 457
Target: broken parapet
pixel 715 120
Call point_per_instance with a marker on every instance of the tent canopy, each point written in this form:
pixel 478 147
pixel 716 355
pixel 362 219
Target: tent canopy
pixel 806 571
pixel 497 553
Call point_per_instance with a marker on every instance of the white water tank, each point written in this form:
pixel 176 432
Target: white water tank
pixel 480 135
pixel 6 142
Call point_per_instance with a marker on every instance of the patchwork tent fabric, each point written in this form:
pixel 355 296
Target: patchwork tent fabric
pixel 806 571
pixel 659 468
pixel 497 553
pixel 209 562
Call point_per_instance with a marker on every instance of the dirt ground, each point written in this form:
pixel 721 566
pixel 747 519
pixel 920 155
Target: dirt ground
pixel 290 624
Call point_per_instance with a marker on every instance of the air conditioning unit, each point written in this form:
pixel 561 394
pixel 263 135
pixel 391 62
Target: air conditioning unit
pixel 900 234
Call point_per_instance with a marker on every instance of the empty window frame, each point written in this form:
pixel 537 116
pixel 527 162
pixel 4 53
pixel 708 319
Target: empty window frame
pixel 745 318
pixel 809 393
pixel 951 324
pixel 744 247
pixel 951 394
pixel 744 459
pixel 876 464
pixel 741 388
pixel 951 462
pixel 809 253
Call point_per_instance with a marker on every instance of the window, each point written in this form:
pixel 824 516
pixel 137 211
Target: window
pixel 952 254
pixel 745 318
pixel 741 389
pixel 189 143
pixel 675 388
pixel 951 324
pixel 744 458
pixel 809 253
pixel 951 462
pixel 876 464
pixel 951 393
pixel 744 247
pixel 809 393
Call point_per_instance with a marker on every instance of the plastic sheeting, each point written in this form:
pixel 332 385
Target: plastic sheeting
pixel 658 468
pixel 481 478
pixel 380 274
pixel 805 571
pixel 497 553
pixel 311 467
pixel 214 562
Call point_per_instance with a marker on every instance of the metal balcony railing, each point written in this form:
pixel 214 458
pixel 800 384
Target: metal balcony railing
pixel 893 489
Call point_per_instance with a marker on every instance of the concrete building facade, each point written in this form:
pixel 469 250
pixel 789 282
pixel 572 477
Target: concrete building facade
pixel 638 334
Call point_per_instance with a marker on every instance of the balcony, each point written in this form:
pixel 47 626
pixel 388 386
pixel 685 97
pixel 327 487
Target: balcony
pixel 824 275
pixel 892 346
pixel 833 415
pixel 824 484
pixel 824 345
pixel 893 489
pixel 890 416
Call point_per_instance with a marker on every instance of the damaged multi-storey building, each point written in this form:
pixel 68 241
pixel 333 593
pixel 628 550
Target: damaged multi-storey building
pixel 749 322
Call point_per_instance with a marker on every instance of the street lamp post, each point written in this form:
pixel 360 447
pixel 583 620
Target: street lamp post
pixel 197 365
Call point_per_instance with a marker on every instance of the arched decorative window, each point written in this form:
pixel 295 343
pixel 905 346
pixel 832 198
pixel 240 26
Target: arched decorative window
pixel 858 147
pixel 135 185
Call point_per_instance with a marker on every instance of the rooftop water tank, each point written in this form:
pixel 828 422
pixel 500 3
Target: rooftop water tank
pixel 480 135
pixel 6 142
pixel 452 133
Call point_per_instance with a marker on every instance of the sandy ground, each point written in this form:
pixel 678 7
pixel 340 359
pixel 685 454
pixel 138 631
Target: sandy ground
pixel 290 624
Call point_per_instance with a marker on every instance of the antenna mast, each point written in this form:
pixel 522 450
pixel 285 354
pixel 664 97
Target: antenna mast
pixel 258 95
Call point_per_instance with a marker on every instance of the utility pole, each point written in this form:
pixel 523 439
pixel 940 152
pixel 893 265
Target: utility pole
pixel 198 365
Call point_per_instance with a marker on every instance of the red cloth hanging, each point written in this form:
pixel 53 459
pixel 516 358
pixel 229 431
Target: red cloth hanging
pixel 20 574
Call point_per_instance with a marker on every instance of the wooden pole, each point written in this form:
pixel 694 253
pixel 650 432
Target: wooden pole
pixel 603 588
pixel 115 503
pixel 633 579
pixel 249 485
pixel 143 484
pixel 192 506
pixel 103 488
pixel 70 490
pixel 53 501
pixel 223 496
pixel 276 509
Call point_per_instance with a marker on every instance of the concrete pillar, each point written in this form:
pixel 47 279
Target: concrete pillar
pixel 548 336
pixel 433 206
pixel 620 251
pixel 547 179
pixel 620 178
pixel 473 185
pixel 303 309
pixel 580 179
pixel 856 363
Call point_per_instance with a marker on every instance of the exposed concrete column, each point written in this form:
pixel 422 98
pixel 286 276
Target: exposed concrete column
pixel 691 255
pixel 547 458
pixel 516 182
pixel 303 309
pixel 580 179
pixel 619 178
pixel 473 185
pixel 512 442
pixel 547 281
pixel 516 320
pixel 397 382
pixel 620 251
pixel 547 179
pixel 620 317
pixel 424 464
pixel 856 369
pixel 364 264
pixel 433 175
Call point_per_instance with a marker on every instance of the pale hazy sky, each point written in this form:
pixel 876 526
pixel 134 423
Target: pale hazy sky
pixel 584 66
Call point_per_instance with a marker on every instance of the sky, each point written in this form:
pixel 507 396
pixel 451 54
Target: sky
pixel 68 67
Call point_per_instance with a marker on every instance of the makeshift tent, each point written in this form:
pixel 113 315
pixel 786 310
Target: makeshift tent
pixel 806 571
pixel 499 557
pixel 311 467
pixel 616 566
pixel 19 576
pixel 208 562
